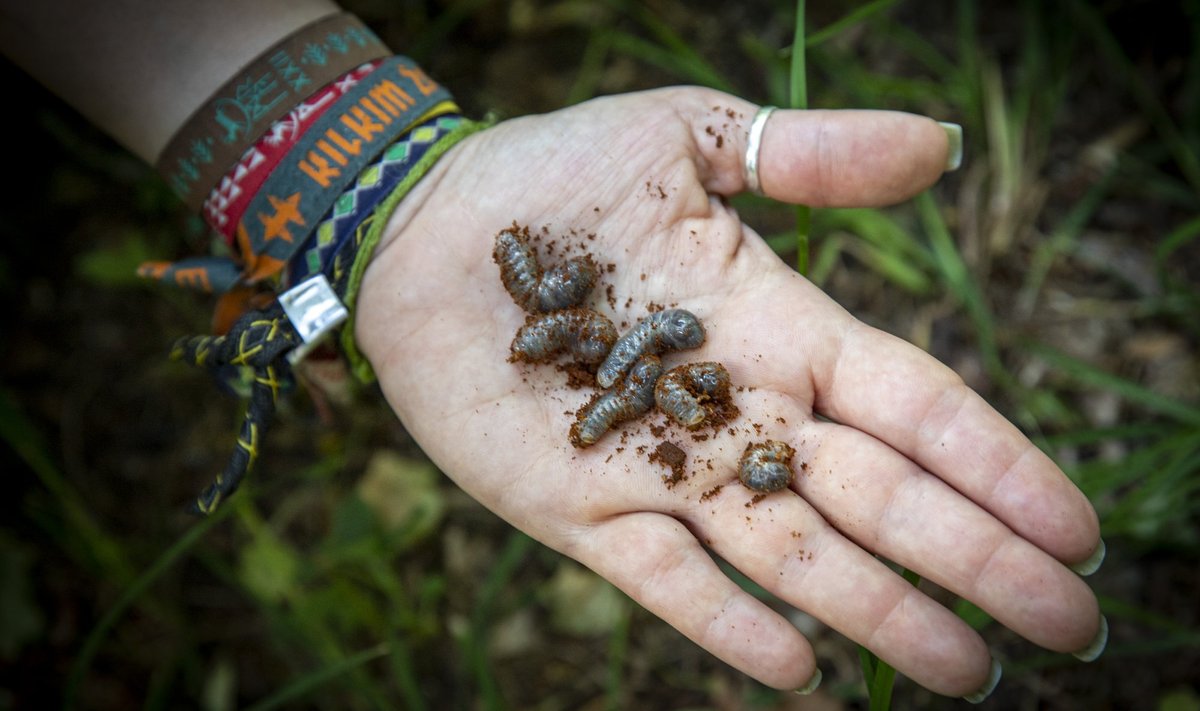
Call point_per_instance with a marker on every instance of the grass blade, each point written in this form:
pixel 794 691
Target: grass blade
pixel 306 684
pixel 96 637
pixel 618 651
pixel 956 275
pixel 798 99
pixel 506 564
pixel 1090 375
pixel 879 675
pixel 855 16
pixel 1152 107
pixel 103 552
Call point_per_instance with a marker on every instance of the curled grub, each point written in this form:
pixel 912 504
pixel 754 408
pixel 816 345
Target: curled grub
pixel 534 289
pixel 766 466
pixel 587 335
pixel 685 393
pixel 633 397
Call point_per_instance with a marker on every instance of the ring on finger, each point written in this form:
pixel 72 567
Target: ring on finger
pixel 754 147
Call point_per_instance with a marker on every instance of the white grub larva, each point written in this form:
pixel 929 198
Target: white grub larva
pixel 632 398
pixel 587 335
pixel 766 466
pixel 673 328
pixel 682 392
pixel 564 285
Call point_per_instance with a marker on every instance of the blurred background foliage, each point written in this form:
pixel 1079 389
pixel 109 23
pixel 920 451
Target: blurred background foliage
pixel 1058 272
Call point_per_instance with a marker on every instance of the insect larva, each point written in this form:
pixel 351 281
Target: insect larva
pixel 633 397
pixel 566 284
pixel 586 334
pixel 682 392
pixel 674 328
pixel 766 466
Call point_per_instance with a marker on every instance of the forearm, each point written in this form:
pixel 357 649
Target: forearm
pixel 137 68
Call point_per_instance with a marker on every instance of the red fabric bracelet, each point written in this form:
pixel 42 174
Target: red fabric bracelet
pixel 232 195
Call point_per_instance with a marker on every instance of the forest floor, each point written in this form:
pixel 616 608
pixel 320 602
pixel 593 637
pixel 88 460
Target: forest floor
pixel 1069 297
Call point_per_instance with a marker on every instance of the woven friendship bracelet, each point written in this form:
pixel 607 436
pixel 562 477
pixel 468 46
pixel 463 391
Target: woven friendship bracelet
pixel 329 156
pixel 350 281
pixel 256 342
pixel 262 340
pixel 381 105
pixel 228 200
pixel 371 186
pixel 314 223
pixel 219 275
pixel 219 132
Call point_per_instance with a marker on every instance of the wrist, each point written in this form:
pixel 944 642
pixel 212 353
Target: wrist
pixel 410 243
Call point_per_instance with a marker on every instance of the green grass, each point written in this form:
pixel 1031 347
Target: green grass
pixel 344 610
pixel 1150 496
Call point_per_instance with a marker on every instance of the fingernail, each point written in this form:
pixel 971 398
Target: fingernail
pixel 954 137
pixel 812 684
pixel 988 686
pixel 1096 648
pixel 1092 564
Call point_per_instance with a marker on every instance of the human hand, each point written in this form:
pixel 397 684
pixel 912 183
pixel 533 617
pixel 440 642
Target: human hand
pixel 903 461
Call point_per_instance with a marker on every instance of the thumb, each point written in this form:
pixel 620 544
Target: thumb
pixel 843 158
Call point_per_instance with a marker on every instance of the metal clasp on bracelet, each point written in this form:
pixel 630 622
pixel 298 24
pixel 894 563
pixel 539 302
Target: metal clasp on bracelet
pixel 314 310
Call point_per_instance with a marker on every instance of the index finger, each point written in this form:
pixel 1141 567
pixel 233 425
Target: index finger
pixel 903 396
pixel 868 379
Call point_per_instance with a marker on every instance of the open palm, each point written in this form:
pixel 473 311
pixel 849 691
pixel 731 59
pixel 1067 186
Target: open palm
pixel 899 458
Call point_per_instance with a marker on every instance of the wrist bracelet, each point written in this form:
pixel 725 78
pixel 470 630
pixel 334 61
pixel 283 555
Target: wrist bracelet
pixel 311 229
pixel 228 200
pixel 291 70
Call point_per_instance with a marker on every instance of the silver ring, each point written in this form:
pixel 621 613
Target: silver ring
pixel 754 146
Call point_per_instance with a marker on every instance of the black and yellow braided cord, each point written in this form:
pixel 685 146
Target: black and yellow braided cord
pixel 258 341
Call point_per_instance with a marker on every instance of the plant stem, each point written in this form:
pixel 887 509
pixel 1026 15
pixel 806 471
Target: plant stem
pixel 798 99
pixel 91 645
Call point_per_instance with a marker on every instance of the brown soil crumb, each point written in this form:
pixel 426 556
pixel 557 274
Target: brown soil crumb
pixel 721 411
pixel 610 295
pixel 671 456
pixel 720 140
pixel 657 430
pixel 711 493
pixel 579 375
pixel 755 499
